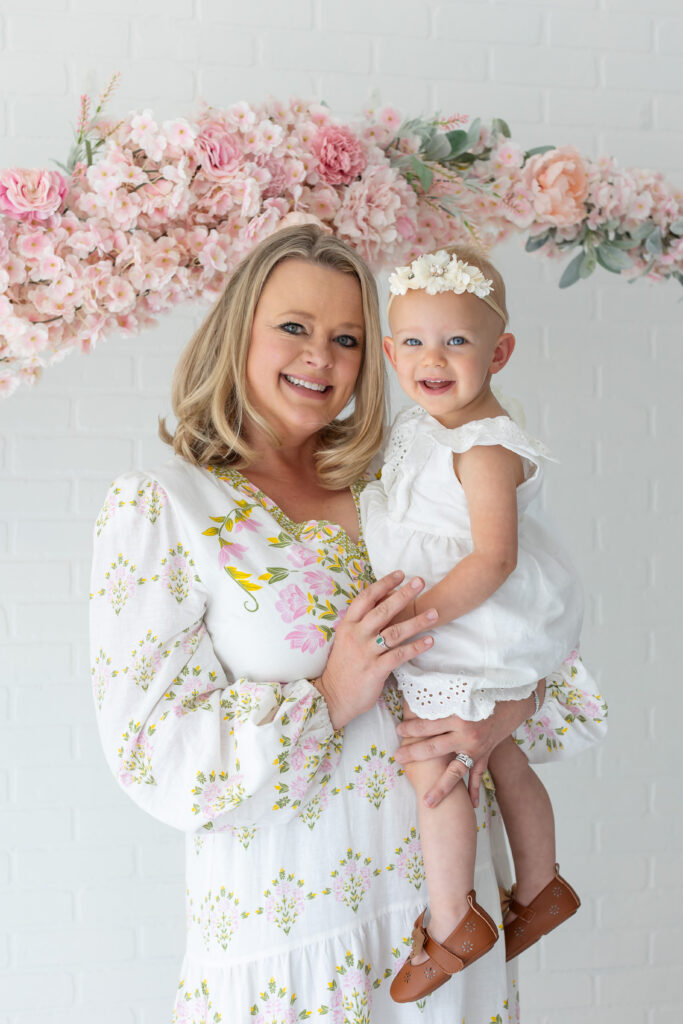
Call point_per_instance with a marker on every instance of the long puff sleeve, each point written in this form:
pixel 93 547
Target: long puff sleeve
pixel 573 717
pixel 190 745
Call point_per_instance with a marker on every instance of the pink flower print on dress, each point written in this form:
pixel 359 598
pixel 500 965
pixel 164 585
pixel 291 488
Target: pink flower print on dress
pixel 376 776
pixel 120 586
pixel 292 603
pixel 300 556
pixel 229 551
pixel 319 582
pixel 307 638
pixel 284 902
pixel 351 881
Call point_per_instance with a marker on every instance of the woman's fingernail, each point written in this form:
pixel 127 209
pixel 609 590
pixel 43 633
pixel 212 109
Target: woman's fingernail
pixel 429 800
pixel 432 614
pixel 397 575
pixel 416 583
pixel 428 641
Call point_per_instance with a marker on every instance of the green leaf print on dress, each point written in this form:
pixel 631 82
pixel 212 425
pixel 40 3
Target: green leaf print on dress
pixel 121 583
pixel 409 863
pixel 285 901
pixel 275 1006
pixel 218 916
pixel 102 675
pixel 352 879
pixel 195 1007
pixel 351 990
pixel 216 793
pixel 376 775
pixel 177 572
pixel 135 755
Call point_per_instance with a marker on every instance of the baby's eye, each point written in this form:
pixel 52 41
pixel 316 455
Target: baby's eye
pixel 291 327
pixel 412 341
pixel 457 340
pixel 347 340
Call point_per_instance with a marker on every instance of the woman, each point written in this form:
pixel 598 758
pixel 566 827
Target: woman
pixel 224 707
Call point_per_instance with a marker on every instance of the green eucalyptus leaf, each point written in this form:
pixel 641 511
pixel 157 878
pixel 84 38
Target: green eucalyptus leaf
pixel 536 150
pixel 424 174
pixel 588 263
pixel 500 126
pixel 438 148
pixel 473 132
pixel 642 231
pixel 612 258
pixel 571 272
pixel 458 142
pixel 625 242
pixel 535 242
pixel 677 227
pixel 653 243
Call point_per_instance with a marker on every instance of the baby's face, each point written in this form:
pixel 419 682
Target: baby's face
pixel 444 349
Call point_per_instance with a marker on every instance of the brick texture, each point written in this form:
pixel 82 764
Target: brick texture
pixel 91 890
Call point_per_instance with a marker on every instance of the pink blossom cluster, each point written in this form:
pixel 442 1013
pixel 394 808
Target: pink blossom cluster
pixel 168 209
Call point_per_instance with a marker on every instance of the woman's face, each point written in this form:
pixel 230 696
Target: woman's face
pixel 306 347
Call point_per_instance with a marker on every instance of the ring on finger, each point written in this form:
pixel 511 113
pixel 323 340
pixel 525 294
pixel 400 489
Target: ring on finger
pixel 381 642
pixel 465 759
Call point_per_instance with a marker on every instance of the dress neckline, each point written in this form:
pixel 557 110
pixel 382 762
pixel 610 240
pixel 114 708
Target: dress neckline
pixel 331 531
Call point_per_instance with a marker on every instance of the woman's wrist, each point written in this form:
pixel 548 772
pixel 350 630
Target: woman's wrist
pixel 337 718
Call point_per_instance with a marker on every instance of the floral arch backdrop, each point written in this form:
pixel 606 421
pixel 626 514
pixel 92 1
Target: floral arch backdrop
pixel 148 215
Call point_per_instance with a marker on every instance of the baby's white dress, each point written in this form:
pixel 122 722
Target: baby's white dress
pixel 416 518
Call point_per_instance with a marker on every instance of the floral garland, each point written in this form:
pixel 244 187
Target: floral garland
pixel 148 215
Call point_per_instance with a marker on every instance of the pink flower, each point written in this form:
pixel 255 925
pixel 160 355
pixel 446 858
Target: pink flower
pixel 230 550
pixel 369 211
pixel 291 603
pixel 339 153
pixel 558 182
pixel 319 582
pixel 219 152
pixel 299 556
pixel 307 638
pixel 31 195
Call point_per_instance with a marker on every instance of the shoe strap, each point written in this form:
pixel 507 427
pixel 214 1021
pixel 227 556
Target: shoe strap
pixel 526 913
pixel 442 957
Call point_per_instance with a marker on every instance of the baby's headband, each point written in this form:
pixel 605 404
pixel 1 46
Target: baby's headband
pixel 443 272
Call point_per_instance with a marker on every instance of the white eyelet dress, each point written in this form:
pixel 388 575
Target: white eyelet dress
pixel 415 518
pixel 211 614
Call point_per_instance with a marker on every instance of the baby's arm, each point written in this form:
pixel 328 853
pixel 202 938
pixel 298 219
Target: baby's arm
pixel 489 476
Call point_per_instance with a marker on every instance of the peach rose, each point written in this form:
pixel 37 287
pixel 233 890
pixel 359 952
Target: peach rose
pixel 31 195
pixel 557 182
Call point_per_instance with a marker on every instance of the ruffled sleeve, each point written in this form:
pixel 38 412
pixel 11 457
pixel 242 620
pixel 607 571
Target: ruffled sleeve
pixel 187 743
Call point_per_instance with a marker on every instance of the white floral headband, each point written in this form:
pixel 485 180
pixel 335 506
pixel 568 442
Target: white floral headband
pixel 443 272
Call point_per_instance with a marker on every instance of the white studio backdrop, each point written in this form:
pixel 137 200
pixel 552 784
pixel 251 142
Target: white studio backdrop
pixel 91 890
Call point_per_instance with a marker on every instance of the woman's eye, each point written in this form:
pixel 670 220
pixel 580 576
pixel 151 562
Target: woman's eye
pixel 457 340
pixel 347 340
pixel 292 328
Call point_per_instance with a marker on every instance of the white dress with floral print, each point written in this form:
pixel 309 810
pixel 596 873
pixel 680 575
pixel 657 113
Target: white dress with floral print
pixel 211 613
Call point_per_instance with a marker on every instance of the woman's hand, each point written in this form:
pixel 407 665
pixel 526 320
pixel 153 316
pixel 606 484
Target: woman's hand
pixel 434 738
pixel 358 666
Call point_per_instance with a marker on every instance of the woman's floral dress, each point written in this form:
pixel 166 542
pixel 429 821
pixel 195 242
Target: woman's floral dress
pixel 211 613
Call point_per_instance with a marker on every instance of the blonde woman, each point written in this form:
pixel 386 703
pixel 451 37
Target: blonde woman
pixel 242 695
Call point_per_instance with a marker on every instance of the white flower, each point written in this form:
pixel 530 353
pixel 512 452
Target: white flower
pixel 440 272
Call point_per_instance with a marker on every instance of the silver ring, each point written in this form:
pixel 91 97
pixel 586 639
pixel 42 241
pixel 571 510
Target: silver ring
pixel 381 642
pixel 466 760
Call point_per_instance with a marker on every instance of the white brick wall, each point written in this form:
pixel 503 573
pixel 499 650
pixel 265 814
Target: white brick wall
pixel 91 890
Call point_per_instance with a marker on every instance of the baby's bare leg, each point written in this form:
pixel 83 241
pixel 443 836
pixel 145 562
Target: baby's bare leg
pixel 528 816
pixel 449 838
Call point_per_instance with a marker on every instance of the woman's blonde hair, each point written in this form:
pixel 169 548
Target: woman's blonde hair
pixel 209 392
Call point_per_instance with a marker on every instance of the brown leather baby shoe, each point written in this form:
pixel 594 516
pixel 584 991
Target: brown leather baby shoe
pixel 474 935
pixel 551 907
